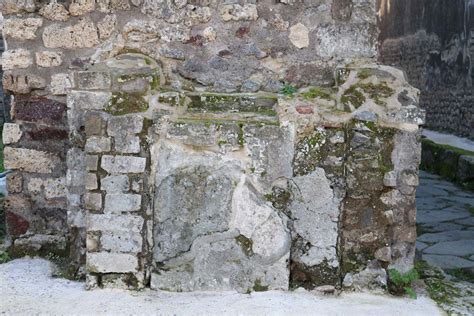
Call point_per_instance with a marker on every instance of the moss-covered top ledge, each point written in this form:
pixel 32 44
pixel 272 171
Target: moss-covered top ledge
pixel 373 93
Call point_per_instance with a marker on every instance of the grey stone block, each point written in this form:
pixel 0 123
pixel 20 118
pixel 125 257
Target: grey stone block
pixel 118 203
pixel 123 164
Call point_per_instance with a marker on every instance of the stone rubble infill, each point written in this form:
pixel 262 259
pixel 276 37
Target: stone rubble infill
pixel 26 288
pixel 445 223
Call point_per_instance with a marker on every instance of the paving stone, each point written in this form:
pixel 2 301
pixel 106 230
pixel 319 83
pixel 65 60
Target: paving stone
pixel 430 191
pixel 456 248
pixel 441 227
pixel 447 262
pixel 430 203
pixel 421 245
pixel 458 200
pixel 446 236
pixel 466 221
pixel 426 175
pixel 439 216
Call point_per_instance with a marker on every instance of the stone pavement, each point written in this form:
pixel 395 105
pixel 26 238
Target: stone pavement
pixel 445 222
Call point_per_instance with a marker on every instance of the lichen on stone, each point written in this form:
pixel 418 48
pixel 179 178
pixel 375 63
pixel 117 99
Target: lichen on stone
pixel 317 92
pixel 124 103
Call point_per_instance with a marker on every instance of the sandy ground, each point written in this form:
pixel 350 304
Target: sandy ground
pixel 26 288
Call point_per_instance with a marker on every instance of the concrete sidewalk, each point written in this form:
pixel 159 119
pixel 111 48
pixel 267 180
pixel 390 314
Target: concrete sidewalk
pixel 26 287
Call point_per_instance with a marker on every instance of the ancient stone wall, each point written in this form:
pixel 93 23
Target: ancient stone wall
pixel 433 41
pixel 151 140
pixel 223 46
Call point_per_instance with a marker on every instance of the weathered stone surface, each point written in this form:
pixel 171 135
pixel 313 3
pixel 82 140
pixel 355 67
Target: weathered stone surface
pixel 91 80
pixel 106 26
pixel 16 58
pixel 114 222
pixel 384 254
pixel 104 262
pixel 314 211
pixel 80 35
pixel 29 160
pixel 121 241
pixel 115 183
pixel 373 277
pixel 93 201
pixel 204 195
pixel 17 6
pixel 207 254
pixel 259 222
pixel 91 182
pixel 14 182
pixel 175 33
pixel 90 100
pixel 50 187
pixel 11 133
pixel 124 129
pixel 49 59
pixel 138 31
pixel 22 84
pixel 237 12
pixel 130 123
pixel 95 124
pixel 299 35
pixel 92 162
pixel 54 11
pixel 60 84
pixel 127 144
pixel 39 109
pixel 118 203
pixel 123 164
pixel 22 29
pixel 98 144
pixel 16 224
pixel 81 7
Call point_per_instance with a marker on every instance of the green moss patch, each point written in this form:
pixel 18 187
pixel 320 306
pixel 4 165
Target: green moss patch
pixel 364 73
pixel 316 92
pixel 355 94
pixel 443 160
pixel 245 244
pixel 124 103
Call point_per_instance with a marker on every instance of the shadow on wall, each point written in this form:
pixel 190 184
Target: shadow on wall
pixel 433 42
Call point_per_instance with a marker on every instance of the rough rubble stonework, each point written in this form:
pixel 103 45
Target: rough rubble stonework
pixel 151 144
pixel 437 53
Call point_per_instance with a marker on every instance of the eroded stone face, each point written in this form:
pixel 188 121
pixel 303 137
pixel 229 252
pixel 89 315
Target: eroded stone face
pixel 191 202
pixel 214 230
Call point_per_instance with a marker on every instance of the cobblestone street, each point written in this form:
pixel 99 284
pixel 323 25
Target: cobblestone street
pixel 445 223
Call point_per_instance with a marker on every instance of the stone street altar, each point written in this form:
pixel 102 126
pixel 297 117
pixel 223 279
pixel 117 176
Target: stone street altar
pixel 168 154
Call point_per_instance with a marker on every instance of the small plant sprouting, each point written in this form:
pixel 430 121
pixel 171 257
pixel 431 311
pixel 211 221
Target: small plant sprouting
pixel 401 283
pixel 4 257
pixel 288 90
